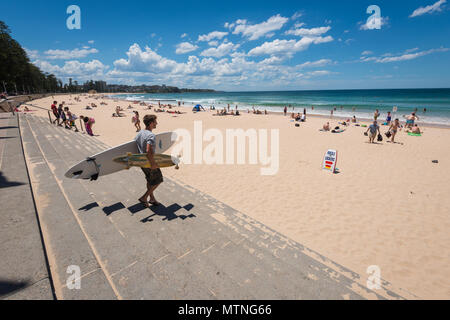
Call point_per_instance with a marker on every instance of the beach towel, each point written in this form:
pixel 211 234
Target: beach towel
pixel 414 134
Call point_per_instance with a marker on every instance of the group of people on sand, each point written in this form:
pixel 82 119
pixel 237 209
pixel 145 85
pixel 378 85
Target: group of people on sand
pixel 374 132
pixel 63 116
pixel 224 112
pixel 394 127
pixel 299 117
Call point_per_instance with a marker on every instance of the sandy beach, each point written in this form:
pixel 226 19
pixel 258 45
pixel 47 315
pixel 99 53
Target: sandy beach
pixel 388 206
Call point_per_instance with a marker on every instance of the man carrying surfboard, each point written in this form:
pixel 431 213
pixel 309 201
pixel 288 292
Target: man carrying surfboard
pixel 146 143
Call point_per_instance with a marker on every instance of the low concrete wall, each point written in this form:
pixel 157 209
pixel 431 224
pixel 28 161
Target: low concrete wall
pixel 13 101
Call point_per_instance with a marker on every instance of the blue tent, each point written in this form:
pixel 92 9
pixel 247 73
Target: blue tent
pixel 197 108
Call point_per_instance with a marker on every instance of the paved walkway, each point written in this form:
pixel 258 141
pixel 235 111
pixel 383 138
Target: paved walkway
pixel 191 247
pixel 23 269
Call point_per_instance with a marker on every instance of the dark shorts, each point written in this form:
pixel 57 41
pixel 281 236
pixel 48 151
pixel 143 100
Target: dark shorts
pixel 153 177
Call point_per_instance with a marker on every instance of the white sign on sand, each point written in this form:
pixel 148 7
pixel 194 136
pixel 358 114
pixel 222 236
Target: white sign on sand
pixel 330 160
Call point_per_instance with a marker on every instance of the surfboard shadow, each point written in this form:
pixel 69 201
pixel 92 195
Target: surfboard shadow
pixel 169 213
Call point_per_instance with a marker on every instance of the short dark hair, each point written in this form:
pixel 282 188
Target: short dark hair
pixel 149 118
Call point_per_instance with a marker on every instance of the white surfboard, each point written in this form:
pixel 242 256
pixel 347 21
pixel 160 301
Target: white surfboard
pixel 102 164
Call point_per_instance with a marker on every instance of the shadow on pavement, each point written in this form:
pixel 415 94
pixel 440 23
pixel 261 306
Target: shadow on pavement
pixel 4 183
pixel 8 287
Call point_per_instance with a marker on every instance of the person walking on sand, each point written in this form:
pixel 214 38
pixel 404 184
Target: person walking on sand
pixel 89 122
pixel 395 126
pixel 373 128
pixel 146 143
pixel 376 115
pixel 61 115
pixel 136 121
pixel 285 111
pixel 55 112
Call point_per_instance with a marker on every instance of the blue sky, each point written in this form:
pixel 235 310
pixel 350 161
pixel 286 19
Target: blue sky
pixel 240 45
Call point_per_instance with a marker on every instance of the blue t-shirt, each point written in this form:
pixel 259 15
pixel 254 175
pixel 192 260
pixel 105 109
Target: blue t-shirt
pixel 373 128
pixel 143 138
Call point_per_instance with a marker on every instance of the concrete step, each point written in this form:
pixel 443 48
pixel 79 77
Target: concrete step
pixel 116 253
pixel 105 193
pixel 66 242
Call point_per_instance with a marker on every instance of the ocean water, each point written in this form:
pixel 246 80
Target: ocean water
pixel 361 103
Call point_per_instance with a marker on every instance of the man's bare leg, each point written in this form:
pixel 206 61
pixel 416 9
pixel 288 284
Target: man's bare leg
pixel 152 196
pixel 143 199
pixel 149 193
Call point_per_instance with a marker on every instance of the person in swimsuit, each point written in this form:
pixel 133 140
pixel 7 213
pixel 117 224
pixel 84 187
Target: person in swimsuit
pixel 389 119
pixel 415 130
pixel 411 119
pixel 395 126
pixel 136 121
pixel 88 123
pixel 376 115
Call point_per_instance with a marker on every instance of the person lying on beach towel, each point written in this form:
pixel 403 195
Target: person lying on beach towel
pixel 415 130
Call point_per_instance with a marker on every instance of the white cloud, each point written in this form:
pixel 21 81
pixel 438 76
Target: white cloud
pixel 213 43
pixel 296 15
pixel 91 41
pixel 256 31
pixel 314 32
pixel 272 60
pixel 314 64
pixel 184 35
pixel 412 50
pixel 69 54
pixel 144 65
pixel 367 53
pixel 32 54
pixel 74 68
pixel 403 57
pixel 229 25
pixel 299 25
pixel 222 50
pixel 148 60
pixel 185 47
pixel 437 7
pixel 318 73
pixel 288 47
pixel 212 35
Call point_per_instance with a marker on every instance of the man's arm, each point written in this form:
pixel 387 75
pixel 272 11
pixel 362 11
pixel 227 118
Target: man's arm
pixel 151 158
